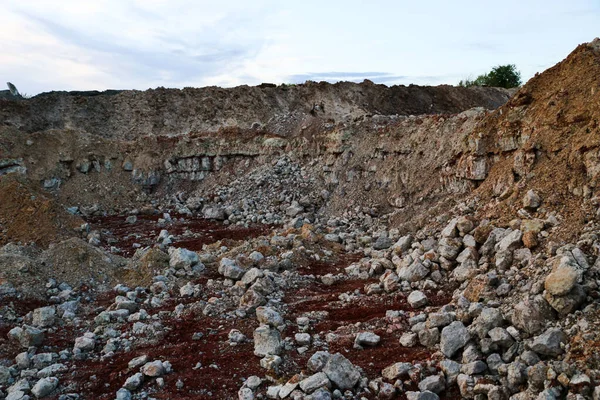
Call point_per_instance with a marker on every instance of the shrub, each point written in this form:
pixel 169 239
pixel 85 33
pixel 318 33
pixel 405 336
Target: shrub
pixel 505 76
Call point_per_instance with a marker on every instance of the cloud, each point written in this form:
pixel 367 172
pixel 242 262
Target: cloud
pixel 387 78
pixel 335 76
pixel 167 59
pixel 124 48
pixel 85 45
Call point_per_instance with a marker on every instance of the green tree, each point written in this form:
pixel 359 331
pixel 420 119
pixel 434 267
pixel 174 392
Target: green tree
pixel 505 76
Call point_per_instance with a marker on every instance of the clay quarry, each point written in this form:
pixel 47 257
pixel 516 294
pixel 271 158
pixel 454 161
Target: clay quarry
pixel 314 241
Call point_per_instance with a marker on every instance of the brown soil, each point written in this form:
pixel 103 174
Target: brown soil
pixel 554 120
pixel 167 112
pixel 28 215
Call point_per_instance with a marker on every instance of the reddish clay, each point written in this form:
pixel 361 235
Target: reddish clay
pixel 146 230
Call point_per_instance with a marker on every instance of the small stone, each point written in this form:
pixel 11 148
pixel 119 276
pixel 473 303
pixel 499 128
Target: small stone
pixel 267 341
pixel 235 336
pixel 318 361
pixel 426 395
pixel 408 339
pixel 429 337
pixel 314 382
pixel 531 200
pixel 253 382
pixel 433 383
pixel 417 299
pixel 303 339
pixel 397 370
pixel 454 337
pixel 137 362
pixel 562 280
pixel 245 393
pixel 270 362
pixel 366 339
pixel 123 394
pixel 451 369
pixel 229 269
pixel 154 368
pixel 85 343
pixel 134 381
pixel 382 243
pixel 182 258
pixel 273 392
pixel 549 342
pixel 530 239
pixel 44 317
pixel 44 387
pixel 473 368
pixel 289 387
pixel 268 316
pixel 27 336
pixel 341 372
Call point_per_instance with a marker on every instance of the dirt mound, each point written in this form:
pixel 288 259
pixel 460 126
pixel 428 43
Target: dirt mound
pixel 27 269
pixel 546 138
pixel 29 215
pixel 76 262
pixel 281 109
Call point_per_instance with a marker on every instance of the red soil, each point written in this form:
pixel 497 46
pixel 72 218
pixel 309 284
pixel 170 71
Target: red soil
pixel 146 230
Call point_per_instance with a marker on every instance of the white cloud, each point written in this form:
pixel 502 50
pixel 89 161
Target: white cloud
pixel 51 45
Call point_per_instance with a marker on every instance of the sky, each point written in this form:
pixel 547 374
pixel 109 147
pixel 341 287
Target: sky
pixel 140 44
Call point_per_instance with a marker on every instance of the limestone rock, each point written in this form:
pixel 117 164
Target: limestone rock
pixel 267 341
pixel 454 337
pixel 549 342
pixel 341 372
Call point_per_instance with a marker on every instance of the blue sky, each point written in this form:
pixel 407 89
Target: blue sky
pixel 141 44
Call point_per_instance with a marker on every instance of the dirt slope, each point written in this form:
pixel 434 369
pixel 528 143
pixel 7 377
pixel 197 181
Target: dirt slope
pixel 281 110
pixel 29 215
pixel 546 138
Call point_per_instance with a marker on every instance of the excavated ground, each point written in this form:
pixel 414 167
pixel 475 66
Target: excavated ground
pixel 337 203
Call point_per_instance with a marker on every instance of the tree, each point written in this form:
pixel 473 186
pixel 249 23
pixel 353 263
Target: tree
pixel 505 76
